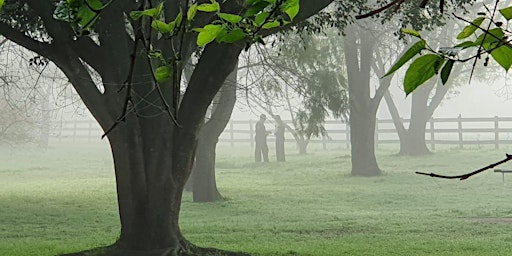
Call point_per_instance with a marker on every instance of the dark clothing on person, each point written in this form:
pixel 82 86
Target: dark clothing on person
pixel 261 142
pixel 280 141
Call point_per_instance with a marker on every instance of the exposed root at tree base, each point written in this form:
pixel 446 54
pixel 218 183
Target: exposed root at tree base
pixel 192 250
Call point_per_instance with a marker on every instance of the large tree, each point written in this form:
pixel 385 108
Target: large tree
pixel 153 135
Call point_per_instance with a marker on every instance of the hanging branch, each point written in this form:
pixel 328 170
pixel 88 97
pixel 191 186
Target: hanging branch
pixel 383 8
pixel 397 4
pixel 467 175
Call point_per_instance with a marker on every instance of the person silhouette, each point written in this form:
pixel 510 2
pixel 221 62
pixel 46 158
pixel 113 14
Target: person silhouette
pixel 280 128
pixel 261 148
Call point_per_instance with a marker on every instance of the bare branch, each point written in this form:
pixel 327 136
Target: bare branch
pixel 467 175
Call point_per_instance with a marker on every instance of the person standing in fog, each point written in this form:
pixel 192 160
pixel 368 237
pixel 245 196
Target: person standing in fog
pixel 261 140
pixel 279 138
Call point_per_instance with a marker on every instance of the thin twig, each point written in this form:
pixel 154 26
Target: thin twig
pixel 467 175
pixel 383 8
pixel 158 88
pixel 483 40
pixel 128 83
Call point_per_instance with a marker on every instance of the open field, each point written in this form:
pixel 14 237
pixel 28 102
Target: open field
pixel 63 200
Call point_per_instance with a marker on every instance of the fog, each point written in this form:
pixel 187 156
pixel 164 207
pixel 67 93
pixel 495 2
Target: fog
pixel 354 191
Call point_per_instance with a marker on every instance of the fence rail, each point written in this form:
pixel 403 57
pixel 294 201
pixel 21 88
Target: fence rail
pixel 459 131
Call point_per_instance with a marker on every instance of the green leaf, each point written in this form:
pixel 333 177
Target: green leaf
pixel 191 13
pixel 503 55
pixel 163 27
pixel 409 54
pixel 495 33
pixel 208 33
pixel 507 12
pixel 231 36
pixel 411 32
pixel 255 9
pixel 465 44
pixel 178 19
pixel 1 3
pixel 153 12
pixel 446 71
pixel 163 73
pixel 232 18
pixel 260 18
pixel 213 7
pixel 272 24
pixel 86 16
pixel 421 70
pixel 470 29
pixel 291 7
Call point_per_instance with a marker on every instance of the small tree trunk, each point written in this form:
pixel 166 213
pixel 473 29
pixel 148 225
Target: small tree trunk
pixel 204 186
pixel 412 142
pixel 203 175
pixel 303 146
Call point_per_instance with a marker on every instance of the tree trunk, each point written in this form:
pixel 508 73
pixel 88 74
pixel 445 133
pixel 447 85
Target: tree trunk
pixel 363 108
pixel 204 186
pixel 149 198
pixel 412 139
pixel 362 135
pixel 302 144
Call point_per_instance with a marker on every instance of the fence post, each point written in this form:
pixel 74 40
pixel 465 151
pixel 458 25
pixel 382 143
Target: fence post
pixel 74 130
pixel 432 136
pixel 324 143
pixel 496 133
pixel 90 132
pixel 231 134
pixel 251 132
pixel 459 125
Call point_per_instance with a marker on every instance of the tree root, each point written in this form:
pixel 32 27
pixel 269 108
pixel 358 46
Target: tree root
pixel 188 250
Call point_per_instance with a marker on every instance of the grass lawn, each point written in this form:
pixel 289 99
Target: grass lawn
pixel 63 200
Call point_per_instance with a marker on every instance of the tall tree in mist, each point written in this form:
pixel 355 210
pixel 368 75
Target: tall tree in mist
pixel 426 99
pixel 361 44
pixel 153 135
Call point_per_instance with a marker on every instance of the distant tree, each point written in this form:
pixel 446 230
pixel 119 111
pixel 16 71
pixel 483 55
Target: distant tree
pixel 427 98
pixel 360 44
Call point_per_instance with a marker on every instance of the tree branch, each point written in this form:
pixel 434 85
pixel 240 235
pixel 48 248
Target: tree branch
pixel 19 38
pixel 467 175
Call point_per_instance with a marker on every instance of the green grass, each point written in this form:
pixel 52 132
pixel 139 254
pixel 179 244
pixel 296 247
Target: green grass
pixel 63 200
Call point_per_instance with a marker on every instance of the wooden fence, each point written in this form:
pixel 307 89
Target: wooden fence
pixel 459 131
